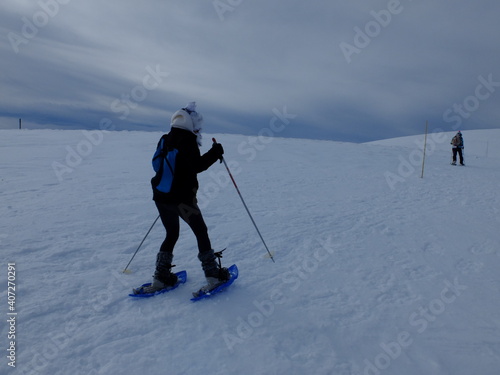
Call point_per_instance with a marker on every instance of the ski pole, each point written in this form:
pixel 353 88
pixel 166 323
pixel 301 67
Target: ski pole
pixel 245 205
pixel 126 270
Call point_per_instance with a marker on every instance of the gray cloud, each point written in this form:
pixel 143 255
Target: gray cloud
pixel 87 60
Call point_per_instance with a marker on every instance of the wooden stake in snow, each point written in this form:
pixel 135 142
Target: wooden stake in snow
pixel 425 146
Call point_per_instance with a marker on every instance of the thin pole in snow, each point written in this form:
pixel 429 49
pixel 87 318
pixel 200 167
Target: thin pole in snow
pixel 126 270
pixel 425 146
pixel 246 208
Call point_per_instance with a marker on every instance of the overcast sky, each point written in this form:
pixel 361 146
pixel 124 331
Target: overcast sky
pixel 340 70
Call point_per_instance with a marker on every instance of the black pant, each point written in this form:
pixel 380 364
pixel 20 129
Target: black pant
pixel 191 214
pixel 459 150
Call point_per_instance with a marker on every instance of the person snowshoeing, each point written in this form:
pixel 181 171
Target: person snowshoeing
pixel 458 144
pixel 177 161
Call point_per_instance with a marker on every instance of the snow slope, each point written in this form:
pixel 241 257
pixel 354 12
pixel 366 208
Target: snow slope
pixel 378 271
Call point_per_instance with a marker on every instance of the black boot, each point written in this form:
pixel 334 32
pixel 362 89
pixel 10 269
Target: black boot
pixel 163 276
pixel 211 267
pixel 214 273
pixel 208 263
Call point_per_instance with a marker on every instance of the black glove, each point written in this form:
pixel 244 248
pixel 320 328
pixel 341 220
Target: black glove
pixel 218 150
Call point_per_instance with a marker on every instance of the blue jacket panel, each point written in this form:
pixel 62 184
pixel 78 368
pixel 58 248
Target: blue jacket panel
pixel 188 163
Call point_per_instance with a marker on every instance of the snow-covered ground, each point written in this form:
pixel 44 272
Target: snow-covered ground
pixel 378 271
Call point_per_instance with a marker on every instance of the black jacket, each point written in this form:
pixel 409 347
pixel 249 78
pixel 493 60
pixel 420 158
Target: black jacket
pixel 189 163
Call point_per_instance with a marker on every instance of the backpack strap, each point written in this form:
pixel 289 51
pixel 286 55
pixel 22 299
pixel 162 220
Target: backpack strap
pixel 162 155
pixel 168 162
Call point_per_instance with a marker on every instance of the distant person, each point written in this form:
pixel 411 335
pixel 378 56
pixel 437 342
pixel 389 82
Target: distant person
pixel 177 161
pixel 458 145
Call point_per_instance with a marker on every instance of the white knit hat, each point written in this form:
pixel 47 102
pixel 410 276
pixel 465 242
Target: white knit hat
pixel 181 119
pixel 187 118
